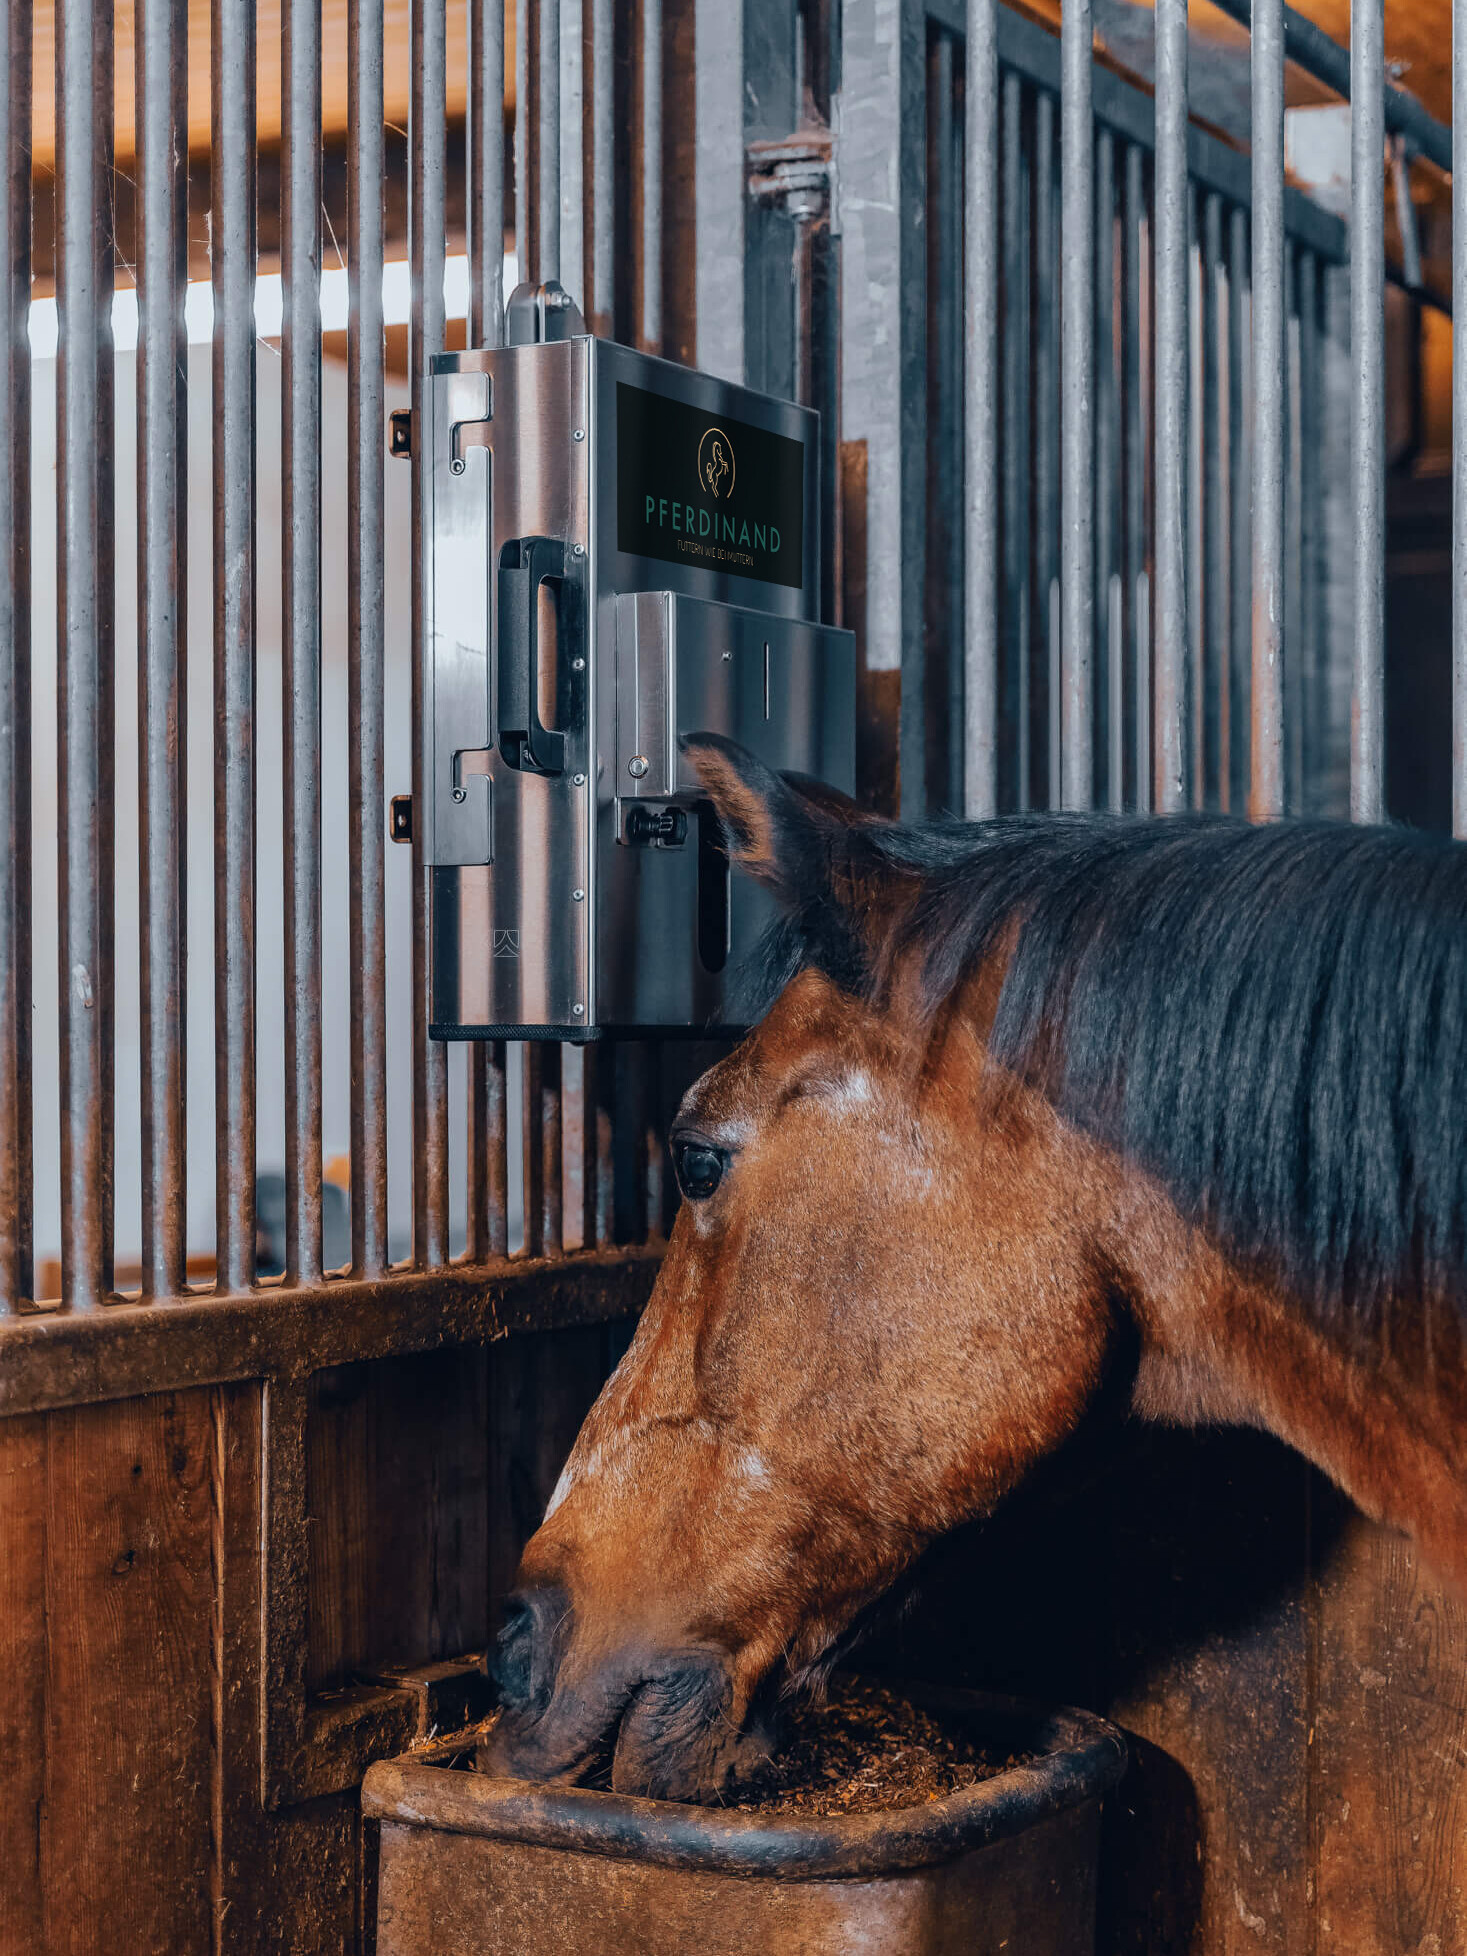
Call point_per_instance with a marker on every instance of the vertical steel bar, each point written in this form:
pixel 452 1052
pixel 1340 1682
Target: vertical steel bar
pixel 427 138
pixel 1240 437
pixel 1173 335
pixel 526 265
pixel 1077 406
pixel 552 1201
pixel 17 1278
pixel 718 114
pixel 1216 591
pixel 1310 508
pixel 84 545
pixel 161 95
pixel 532 1117
pixel 1017 613
pixel 1136 448
pixel 232 234
pixel 547 135
pixel 486 172
pixel 366 655
pixel 488 1180
pixel 1046 427
pixel 1367 426
pixel 300 611
pixel 1105 436
pixel 572 183
pixel 600 299
pixel 980 413
pixel 1459 421
pixel 650 334
pixel 1266 789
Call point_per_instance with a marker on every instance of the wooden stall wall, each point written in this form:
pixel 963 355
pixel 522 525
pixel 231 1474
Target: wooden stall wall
pixel 132 1653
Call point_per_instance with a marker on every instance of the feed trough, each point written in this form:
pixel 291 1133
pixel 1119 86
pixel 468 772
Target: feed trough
pixel 472 1865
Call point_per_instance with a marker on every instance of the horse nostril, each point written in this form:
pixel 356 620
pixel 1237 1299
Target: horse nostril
pixel 523 1661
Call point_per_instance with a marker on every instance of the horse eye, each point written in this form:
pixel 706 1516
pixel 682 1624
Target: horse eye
pixel 699 1168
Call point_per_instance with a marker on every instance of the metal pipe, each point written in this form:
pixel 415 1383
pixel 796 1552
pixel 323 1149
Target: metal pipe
pixel 427 140
pixel 1173 410
pixel 1046 427
pixel 1216 463
pixel 572 184
pixel 1311 49
pixel 486 172
pixel 486 1150
pixel 1077 407
pixel 232 237
pixel 1240 435
pixel 980 413
pixel 600 300
pixel 1310 524
pixel 1459 421
pixel 366 657
pixel 547 135
pixel 1136 446
pixel 1266 788
pixel 1107 444
pixel 524 221
pixel 1367 418
pixel 650 335
pixel 300 611
pixel 84 702
pixel 16 1167
pixel 1017 610
pixel 161 95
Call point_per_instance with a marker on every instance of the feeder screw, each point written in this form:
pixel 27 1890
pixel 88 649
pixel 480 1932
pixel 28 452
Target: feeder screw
pixel 578 780
pixel 637 766
pixel 578 550
pixel 578 434
pixel 579 1011
pixel 460 794
pixel 578 896
pixel 578 665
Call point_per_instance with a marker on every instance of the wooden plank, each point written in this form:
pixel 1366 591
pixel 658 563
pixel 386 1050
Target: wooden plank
pixel 127 1837
pixel 22 1679
pixel 540 1389
pixel 1389 1752
pixel 397 1496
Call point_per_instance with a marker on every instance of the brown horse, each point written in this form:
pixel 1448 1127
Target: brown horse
pixel 1037 1100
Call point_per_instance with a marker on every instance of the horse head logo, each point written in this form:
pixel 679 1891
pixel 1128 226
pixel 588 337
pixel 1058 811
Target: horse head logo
pixel 716 464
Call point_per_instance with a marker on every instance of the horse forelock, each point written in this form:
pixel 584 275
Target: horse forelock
pixel 1271 1021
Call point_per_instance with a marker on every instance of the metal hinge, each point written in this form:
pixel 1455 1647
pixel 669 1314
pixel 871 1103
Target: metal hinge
pixel 795 171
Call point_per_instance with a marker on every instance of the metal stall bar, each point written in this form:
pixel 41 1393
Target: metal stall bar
pixel 366 649
pixel 649 337
pixel 161 90
pixel 1266 791
pixel 1212 678
pixel 1077 407
pixel 232 235
pixel 547 137
pixel 300 610
pixel 1173 410
pixel 84 703
pixel 980 413
pixel 601 296
pixel 16 1248
pixel 1015 603
pixel 1106 451
pixel 427 171
pixel 1367 418
pixel 1046 430
pixel 1459 421
pixel 1240 436
pixel 1313 50
pixel 488 1177
pixel 524 248
pixel 718 273
pixel 572 167
pixel 1137 394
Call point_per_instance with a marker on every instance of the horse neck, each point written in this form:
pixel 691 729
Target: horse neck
pixel 1387 1422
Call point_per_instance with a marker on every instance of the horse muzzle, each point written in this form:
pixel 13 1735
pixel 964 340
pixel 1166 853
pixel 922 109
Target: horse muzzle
pixel 657 1725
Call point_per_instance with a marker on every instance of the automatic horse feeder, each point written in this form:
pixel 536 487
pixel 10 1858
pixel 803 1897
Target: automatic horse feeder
pixel 618 551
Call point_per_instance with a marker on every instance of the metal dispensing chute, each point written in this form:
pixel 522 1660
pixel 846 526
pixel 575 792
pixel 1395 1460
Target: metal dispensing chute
pixel 620 551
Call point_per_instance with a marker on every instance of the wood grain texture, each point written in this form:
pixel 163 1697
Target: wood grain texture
pixel 1389 1753
pixel 22 1679
pixel 126 1834
pixel 398 1502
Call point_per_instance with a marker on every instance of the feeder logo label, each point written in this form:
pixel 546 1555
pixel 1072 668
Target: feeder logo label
pixel 721 496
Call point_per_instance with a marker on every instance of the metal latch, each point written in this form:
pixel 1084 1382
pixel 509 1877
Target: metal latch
pixel 400 434
pixel 657 828
pixel 794 171
pixel 400 818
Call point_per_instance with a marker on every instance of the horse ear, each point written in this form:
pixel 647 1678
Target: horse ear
pixel 786 830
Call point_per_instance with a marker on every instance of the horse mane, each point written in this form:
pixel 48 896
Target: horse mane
pixel 1271 1020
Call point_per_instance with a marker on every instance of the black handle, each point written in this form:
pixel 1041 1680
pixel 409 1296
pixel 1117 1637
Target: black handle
pixel 525 563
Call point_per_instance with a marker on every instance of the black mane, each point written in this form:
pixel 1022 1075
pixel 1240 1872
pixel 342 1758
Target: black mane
pixel 1271 1020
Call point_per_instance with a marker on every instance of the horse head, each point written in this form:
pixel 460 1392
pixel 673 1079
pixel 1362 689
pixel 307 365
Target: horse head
pixel 881 1302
